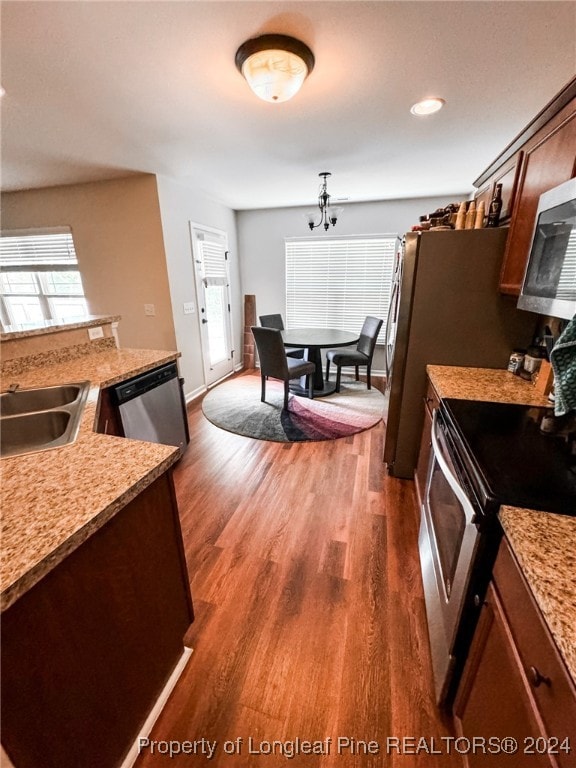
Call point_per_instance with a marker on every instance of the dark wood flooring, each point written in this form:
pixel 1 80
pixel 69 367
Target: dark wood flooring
pixel 310 618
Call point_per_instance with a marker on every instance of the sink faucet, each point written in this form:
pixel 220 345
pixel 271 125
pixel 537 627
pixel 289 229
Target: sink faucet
pixel 13 387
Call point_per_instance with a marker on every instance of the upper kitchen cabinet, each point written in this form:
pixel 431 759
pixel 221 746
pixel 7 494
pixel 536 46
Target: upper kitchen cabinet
pixel 540 157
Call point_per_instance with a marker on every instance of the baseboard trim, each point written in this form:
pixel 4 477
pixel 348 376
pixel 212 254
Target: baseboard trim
pixel 130 758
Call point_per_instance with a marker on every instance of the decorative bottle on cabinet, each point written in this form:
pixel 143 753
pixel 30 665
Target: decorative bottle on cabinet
pixel 470 215
pixel 495 207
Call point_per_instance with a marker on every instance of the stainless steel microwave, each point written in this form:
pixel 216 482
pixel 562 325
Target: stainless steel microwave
pixel 549 286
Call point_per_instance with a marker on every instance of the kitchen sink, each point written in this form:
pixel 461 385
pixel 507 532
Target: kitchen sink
pixel 38 419
pixel 41 399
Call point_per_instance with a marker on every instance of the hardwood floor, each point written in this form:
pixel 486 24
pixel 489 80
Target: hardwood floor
pixel 310 619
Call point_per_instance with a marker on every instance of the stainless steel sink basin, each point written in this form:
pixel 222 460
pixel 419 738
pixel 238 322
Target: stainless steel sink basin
pixel 41 399
pixel 31 431
pixel 42 418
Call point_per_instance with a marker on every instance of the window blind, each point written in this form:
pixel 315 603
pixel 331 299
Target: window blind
pixel 336 282
pixel 567 280
pixel 37 250
pixel 213 256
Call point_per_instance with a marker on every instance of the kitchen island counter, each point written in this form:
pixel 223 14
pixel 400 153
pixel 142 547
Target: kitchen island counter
pixel 53 501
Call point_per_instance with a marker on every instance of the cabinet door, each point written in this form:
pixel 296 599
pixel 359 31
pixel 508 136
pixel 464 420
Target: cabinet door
pixel 547 163
pixel 494 699
pixel 108 419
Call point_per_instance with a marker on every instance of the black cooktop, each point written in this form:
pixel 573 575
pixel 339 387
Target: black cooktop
pixel 510 459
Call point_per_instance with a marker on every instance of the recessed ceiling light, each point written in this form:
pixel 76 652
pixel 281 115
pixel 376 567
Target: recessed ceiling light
pixel 2 91
pixel 427 106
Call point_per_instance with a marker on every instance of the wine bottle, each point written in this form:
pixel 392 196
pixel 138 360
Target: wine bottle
pixel 495 207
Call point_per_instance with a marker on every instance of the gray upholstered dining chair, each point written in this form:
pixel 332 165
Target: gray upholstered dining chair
pixel 276 321
pixel 361 356
pixel 274 363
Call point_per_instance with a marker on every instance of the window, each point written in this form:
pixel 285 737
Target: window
pixel 39 278
pixel 336 282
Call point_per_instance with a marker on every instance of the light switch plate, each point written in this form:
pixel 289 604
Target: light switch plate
pixel 189 308
pixel 150 310
pixel 96 333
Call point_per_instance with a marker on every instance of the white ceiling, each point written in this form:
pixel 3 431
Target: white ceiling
pixel 96 90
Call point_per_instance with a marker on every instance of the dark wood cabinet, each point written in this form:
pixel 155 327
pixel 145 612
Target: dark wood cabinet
pixel 549 161
pixel 515 683
pixel 431 401
pixel 542 156
pixel 87 650
pixel 108 420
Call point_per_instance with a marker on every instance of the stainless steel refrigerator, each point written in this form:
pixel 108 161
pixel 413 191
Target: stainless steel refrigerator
pixel 446 310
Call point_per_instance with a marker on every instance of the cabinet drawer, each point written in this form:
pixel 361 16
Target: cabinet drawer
pixel 555 696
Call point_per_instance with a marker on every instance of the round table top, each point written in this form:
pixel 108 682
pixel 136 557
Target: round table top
pixel 318 337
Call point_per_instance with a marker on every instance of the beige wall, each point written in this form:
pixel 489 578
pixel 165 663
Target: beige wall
pixel 118 237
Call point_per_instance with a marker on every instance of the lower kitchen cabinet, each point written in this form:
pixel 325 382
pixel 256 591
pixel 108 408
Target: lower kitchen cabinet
pixel 515 684
pixel 88 649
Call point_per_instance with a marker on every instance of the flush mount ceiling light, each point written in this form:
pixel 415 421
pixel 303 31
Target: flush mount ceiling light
pixel 275 66
pixel 427 106
pixel 328 215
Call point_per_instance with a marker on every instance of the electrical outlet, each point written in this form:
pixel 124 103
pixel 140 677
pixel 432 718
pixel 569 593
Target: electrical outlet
pixel 149 310
pixel 189 308
pixel 96 333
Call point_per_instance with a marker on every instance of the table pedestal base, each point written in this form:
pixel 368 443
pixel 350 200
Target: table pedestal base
pixel 302 390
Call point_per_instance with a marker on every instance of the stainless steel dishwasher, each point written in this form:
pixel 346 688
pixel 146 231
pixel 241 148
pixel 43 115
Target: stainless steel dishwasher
pixel 152 408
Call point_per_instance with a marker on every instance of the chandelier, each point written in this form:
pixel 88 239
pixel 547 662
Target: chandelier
pixel 328 214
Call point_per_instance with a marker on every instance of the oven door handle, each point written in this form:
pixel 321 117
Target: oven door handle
pixel 452 481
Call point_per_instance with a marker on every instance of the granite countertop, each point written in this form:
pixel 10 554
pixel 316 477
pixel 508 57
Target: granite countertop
pixel 549 569
pixel 51 326
pixel 54 500
pixel 492 385
pixel 544 544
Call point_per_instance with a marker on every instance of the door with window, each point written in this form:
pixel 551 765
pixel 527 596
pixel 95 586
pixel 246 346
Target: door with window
pixel 210 253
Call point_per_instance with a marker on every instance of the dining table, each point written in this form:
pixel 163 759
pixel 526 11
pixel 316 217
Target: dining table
pixel 313 340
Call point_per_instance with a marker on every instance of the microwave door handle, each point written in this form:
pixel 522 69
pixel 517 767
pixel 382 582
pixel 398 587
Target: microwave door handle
pixel 448 474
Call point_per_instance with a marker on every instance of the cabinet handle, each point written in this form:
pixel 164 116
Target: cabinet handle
pixel 537 679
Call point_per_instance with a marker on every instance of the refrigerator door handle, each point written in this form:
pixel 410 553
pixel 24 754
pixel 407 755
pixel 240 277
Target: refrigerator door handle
pixel 387 360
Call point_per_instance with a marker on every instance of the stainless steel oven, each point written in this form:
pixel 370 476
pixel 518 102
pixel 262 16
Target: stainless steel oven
pixel 448 542
pixel 483 455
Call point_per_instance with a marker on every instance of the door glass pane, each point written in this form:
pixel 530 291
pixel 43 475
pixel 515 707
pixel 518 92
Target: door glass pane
pixel 448 522
pixel 216 309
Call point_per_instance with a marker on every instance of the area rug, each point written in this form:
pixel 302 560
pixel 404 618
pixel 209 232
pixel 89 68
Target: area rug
pixel 236 407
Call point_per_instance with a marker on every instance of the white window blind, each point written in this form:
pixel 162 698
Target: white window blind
pixel 212 251
pixel 336 282
pixel 567 280
pixel 39 276
pixel 36 250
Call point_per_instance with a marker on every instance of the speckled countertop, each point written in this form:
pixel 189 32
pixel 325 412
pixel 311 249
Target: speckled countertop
pixel 493 385
pixel 50 326
pixel 54 500
pixel 545 547
pixel 544 544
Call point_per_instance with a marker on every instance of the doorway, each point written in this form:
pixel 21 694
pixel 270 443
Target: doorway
pixel 210 254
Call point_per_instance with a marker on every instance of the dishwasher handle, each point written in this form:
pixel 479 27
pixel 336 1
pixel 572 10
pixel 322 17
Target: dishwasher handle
pixel 135 387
